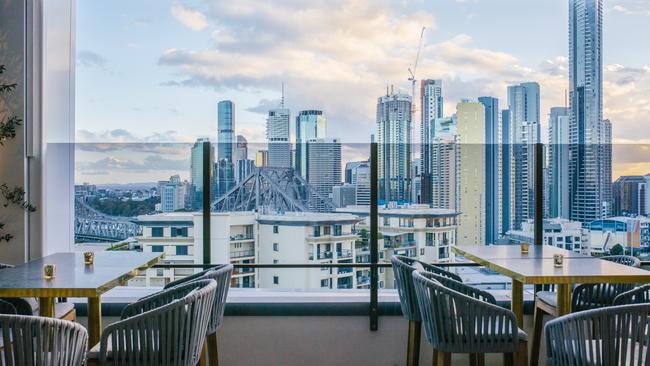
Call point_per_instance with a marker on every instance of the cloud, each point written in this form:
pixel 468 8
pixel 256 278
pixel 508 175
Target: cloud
pixel 166 142
pixel 90 59
pixel 640 7
pixel 191 18
pixel 264 105
pixel 115 164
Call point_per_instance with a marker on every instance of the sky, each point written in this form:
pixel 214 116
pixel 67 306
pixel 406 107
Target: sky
pixel 150 72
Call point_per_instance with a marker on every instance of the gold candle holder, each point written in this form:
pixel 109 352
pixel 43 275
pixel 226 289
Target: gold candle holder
pixel 558 260
pixel 49 271
pixel 525 248
pixel 89 258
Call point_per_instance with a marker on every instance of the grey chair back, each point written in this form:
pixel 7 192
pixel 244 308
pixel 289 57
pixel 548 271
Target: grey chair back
pixel 461 287
pixel 33 340
pixel 639 295
pixel 457 323
pixel 402 269
pixel 167 328
pixel 598 295
pixel 616 335
pixel 7 308
pixel 222 275
pixel 627 260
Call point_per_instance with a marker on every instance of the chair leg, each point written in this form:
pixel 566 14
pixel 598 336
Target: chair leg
pixel 508 359
pixel 477 359
pixel 537 336
pixel 413 347
pixel 213 350
pixel 443 359
pixel 521 357
pixel 203 361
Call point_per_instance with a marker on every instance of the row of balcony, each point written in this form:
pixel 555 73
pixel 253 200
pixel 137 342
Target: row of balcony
pixel 345 253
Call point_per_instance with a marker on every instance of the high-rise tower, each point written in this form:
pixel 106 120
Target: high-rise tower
pixel 310 124
pixel 589 149
pixel 394 146
pixel 431 108
pixel 523 104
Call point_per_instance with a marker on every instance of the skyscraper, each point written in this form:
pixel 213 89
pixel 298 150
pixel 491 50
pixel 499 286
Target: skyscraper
pixel 523 104
pixel 196 172
pixel 394 146
pixel 493 142
pixel 558 162
pixel 243 165
pixel 361 182
pixel 431 108
pixel 324 168
pixel 224 166
pixel 277 135
pixel 506 172
pixel 627 192
pixel 444 172
pixel 589 159
pixel 470 118
pixel 310 124
pixel 225 130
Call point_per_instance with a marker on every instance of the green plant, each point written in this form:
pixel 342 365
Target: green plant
pixel 617 250
pixel 15 195
pixel 8 125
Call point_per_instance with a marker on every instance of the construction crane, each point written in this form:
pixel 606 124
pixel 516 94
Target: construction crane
pixel 412 72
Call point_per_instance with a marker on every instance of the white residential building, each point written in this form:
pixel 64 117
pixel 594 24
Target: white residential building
pixel 558 232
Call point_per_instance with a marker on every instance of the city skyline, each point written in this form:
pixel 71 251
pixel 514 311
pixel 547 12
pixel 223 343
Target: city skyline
pixel 471 48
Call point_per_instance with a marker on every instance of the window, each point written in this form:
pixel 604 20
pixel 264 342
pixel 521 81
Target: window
pixel 276 280
pixel 157 248
pixel 181 250
pixel 327 230
pixel 179 232
pixel 276 229
pixel 276 247
pixel 275 261
pixel 157 232
pixel 421 251
pixel 338 230
pixel 316 231
pixel 325 283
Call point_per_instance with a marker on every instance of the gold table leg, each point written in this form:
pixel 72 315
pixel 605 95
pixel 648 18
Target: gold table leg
pixel 563 299
pixel 94 320
pixel 518 301
pixel 46 307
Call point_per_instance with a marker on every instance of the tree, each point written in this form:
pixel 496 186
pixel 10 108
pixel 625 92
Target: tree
pixel 617 250
pixel 15 195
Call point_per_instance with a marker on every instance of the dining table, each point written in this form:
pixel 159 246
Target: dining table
pixel 74 278
pixel 538 267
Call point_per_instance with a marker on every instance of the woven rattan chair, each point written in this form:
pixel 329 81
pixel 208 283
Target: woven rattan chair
pixel 167 328
pixel 458 323
pixel 222 275
pixel 584 297
pixel 402 269
pixel 639 295
pixel 37 341
pixel 607 336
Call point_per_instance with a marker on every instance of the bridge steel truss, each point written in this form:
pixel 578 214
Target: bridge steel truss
pixel 273 189
pixel 91 224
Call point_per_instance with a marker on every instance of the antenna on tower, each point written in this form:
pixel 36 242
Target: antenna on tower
pixel 282 99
